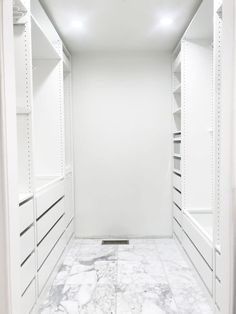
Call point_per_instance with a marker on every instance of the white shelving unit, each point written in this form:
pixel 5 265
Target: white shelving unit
pixel 45 163
pixel 196 138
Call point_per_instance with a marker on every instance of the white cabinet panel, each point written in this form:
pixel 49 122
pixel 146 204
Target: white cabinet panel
pixel 27 272
pixel 47 198
pixel 202 244
pixel 47 244
pixel 46 222
pixel 177 181
pixel 177 198
pixel 27 243
pixel 177 214
pixel 26 215
pixel 177 230
pixel 200 264
pixel 28 299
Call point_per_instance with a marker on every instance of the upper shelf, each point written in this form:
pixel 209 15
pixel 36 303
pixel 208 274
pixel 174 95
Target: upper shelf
pixel 177 64
pixel 42 47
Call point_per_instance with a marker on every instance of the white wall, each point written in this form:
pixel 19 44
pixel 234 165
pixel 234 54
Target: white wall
pixel 122 144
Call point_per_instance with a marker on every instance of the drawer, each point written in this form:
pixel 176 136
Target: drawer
pixel 46 198
pixel 218 294
pixel 218 266
pixel 69 231
pixel 200 264
pixel 28 299
pixel 69 204
pixel 177 198
pixel 177 164
pixel 27 272
pixel 177 214
pixel 46 222
pixel 47 244
pixel 199 240
pixel 177 230
pixel 177 147
pixel 27 243
pixel 26 215
pixel 177 181
pixel 50 263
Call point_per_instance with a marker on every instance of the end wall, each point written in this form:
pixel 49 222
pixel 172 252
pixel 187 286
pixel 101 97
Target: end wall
pixel 122 144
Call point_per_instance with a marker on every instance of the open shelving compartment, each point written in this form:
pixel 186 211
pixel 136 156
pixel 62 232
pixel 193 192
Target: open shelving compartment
pixel 48 108
pixel 23 100
pixel 198 111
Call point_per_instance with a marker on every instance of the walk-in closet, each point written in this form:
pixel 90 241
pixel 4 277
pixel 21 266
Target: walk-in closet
pixel 117 159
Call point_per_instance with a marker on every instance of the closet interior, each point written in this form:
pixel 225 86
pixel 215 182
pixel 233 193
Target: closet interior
pixel 43 71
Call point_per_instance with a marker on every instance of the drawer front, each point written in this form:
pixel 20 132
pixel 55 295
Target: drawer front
pixel 27 243
pixel 26 215
pixel 48 266
pixel 218 266
pixel 177 198
pixel 177 147
pixel 218 294
pixel 201 266
pixel 28 299
pixel 47 244
pixel 177 182
pixel 47 198
pixel 177 164
pixel 177 230
pixel 69 207
pixel 202 244
pixel 69 231
pixel 177 214
pixel 27 272
pixel 46 222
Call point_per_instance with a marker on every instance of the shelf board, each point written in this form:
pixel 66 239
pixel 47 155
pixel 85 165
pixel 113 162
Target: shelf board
pixel 178 139
pixel 177 171
pixel 177 90
pixel 42 47
pixel 44 182
pixel 24 197
pixel 177 156
pixel 177 133
pixel 177 111
pixel 22 111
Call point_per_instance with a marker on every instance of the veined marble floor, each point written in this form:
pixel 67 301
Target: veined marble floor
pixel 145 277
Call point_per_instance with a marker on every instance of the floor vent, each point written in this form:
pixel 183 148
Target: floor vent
pixel 115 242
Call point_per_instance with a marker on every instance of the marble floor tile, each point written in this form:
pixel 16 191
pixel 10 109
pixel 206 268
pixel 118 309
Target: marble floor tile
pixel 144 277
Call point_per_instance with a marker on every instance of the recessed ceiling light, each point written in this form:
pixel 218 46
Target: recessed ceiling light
pixel 166 21
pixel 78 25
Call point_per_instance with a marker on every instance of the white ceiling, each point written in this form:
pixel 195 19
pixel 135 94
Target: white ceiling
pixel 120 25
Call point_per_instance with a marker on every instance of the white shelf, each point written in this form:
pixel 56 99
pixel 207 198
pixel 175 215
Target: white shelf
pixel 42 47
pixel 203 219
pixel 177 111
pixel 24 197
pixel 42 183
pixel 22 111
pixel 177 139
pixel 177 171
pixel 177 90
pixel 176 132
pixel 177 156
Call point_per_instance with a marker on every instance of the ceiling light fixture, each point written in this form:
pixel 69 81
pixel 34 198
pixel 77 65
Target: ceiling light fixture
pixel 166 21
pixel 78 25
